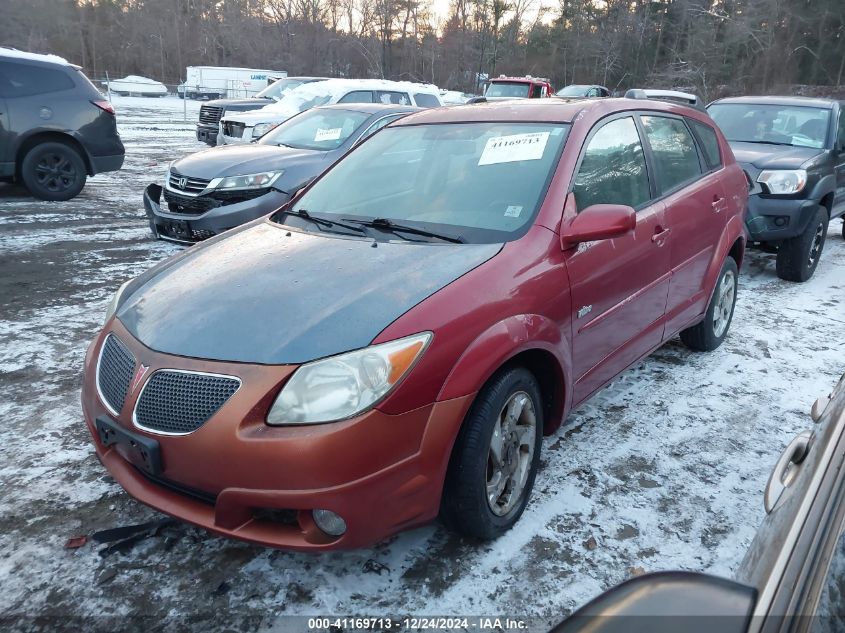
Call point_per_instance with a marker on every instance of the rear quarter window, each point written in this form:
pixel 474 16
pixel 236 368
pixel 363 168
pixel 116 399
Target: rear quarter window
pixel 26 80
pixel 426 100
pixel 708 142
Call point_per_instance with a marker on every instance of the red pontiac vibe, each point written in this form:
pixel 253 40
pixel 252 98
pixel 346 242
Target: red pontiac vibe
pixel 392 344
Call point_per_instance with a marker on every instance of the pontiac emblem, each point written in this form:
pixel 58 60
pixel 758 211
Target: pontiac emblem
pixel 139 376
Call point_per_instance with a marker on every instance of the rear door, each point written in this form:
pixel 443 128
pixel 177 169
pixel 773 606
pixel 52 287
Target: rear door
pixel 694 197
pixel 618 286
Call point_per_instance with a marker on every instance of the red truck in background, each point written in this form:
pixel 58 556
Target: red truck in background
pixel 527 87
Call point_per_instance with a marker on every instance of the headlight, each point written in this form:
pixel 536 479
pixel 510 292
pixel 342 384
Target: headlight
pixel 115 301
pixel 248 181
pixel 341 386
pixel 262 128
pixel 783 182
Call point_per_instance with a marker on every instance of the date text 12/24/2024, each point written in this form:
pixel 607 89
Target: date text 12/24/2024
pixel 482 624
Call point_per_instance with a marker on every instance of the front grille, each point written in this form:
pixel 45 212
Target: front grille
pixel 232 129
pixel 189 205
pixel 210 115
pixel 187 183
pixel 181 401
pixel 114 372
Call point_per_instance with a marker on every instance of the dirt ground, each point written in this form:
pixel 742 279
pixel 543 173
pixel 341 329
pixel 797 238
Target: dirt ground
pixel 663 469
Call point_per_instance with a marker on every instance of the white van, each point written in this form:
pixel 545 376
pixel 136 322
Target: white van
pixel 245 127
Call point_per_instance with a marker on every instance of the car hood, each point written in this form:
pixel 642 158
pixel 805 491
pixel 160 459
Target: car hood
pixel 764 156
pixel 254 117
pixel 270 295
pixel 238 104
pixel 237 160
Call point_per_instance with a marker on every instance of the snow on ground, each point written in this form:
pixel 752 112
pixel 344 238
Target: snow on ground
pixel 663 469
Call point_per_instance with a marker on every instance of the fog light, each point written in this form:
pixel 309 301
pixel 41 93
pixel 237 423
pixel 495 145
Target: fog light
pixel 781 220
pixel 331 523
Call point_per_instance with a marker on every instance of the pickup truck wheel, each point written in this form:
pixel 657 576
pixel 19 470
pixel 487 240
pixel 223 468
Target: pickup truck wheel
pixel 798 256
pixel 53 171
pixel 843 227
pixel 709 334
pixel 495 458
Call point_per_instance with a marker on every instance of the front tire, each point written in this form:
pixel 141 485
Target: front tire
pixel 799 256
pixel 709 334
pixel 495 458
pixel 53 171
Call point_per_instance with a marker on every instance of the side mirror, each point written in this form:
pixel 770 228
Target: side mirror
pixel 598 222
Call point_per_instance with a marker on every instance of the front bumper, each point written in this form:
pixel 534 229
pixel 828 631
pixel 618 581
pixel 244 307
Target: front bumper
pixel 207 134
pixel 772 219
pixel 382 473
pixel 189 228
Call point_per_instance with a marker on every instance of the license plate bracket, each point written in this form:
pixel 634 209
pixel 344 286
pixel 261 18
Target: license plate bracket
pixel 143 452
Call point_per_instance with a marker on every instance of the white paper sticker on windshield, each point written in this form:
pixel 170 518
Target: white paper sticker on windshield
pixel 512 148
pixel 513 211
pixel 327 135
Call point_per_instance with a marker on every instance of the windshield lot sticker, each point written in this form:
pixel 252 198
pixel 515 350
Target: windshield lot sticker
pixel 513 211
pixel 327 135
pixel 513 148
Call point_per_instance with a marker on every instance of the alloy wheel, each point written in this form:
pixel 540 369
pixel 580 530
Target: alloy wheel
pixel 55 172
pixel 511 453
pixel 725 294
pixel 816 248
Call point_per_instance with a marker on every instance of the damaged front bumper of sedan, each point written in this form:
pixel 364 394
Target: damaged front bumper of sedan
pixel 188 219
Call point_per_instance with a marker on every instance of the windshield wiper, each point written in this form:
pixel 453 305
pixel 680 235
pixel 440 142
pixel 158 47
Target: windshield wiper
pixel 768 143
pixel 390 225
pixel 302 213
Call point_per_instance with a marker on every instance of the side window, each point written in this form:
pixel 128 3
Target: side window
pixel 25 80
pixel 708 142
pixel 375 127
pixel 675 156
pixel 536 91
pixel 426 100
pixel 357 96
pixel 613 168
pixel 392 98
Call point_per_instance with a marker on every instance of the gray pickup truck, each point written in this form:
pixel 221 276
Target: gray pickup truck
pixel 793 150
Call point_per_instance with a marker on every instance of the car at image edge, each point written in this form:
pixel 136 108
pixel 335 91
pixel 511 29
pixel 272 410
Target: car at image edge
pixel 793 150
pixel 56 128
pixel 793 574
pixel 393 343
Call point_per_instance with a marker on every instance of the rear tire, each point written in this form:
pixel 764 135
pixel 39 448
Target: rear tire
pixel 495 458
pixel 799 256
pixel 843 227
pixel 709 334
pixel 53 171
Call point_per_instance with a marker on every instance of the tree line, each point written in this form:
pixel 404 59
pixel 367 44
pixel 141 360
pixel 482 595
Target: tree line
pixel 714 47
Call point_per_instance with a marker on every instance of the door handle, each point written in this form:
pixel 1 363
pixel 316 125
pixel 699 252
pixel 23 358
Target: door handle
pixel 660 235
pixel 787 468
pixel 717 204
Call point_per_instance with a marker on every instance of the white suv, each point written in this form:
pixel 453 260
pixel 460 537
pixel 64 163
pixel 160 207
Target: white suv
pixel 245 127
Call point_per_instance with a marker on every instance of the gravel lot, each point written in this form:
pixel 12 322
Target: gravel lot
pixel 663 469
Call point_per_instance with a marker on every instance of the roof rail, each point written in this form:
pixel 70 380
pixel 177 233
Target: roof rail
pixel 675 96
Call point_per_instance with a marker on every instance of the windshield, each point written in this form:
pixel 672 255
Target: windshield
pixel 573 91
pixel 278 88
pixel 502 89
pixel 319 129
pixel 802 126
pixel 482 182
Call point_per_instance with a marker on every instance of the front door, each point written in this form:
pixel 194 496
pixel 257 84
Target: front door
pixel 619 286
